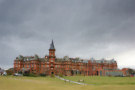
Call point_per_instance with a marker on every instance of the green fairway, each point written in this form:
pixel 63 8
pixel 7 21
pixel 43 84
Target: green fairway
pixel 47 83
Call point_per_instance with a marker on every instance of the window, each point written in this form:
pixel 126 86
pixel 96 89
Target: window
pixel 59 66
pixel 32 65
pixel 56 66
pixel 51 60
pixel 51 52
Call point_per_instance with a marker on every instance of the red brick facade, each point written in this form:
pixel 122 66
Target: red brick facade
pixel 66 66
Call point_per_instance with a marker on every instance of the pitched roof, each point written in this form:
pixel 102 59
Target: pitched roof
pixel 52 45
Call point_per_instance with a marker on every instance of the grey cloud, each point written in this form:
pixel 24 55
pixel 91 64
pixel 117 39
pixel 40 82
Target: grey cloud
pixel 90 28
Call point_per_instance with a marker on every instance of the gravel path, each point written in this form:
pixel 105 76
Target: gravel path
pixel 66 80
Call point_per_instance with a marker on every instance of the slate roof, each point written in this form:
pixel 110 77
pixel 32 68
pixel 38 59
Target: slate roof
pixel 52 45
pixel 74 60
pixel 102 61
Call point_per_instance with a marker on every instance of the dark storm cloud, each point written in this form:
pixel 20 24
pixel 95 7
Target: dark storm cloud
pixel 84 28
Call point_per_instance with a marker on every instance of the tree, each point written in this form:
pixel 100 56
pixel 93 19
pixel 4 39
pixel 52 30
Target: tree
pixel 10 71
pixel 131 71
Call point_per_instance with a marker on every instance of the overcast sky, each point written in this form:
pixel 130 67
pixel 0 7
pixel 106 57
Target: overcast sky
pixel 79 28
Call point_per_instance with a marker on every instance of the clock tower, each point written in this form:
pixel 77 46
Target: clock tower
pixel 52 58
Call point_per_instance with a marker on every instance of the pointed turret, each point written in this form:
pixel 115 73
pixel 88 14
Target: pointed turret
pixel 52 45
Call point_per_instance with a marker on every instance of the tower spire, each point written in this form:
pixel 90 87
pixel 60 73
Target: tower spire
pixel 52 45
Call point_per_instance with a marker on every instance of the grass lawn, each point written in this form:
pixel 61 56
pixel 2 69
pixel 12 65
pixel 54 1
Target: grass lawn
pixel 47 83
pixel 96 80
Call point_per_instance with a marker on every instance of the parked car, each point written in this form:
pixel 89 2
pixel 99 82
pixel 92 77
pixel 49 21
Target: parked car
pixel 4 73
pixel 17 74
